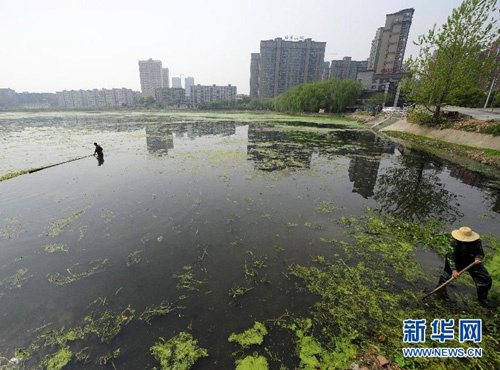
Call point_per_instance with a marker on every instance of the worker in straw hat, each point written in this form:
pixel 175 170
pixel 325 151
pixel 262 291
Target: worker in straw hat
pixel 466 248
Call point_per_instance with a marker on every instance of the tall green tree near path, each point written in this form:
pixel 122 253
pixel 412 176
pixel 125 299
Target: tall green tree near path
pixel 332 95
pixel 455 55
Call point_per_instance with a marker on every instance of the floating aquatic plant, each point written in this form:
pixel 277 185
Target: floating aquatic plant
pixel 238 291
pixel 254 362
pixel 58 360
pixel 56 227
pixel 59 279
pixel 56 247
pixel 83 355
pixel 178 353
pixel 12 228
pixel 163 308
pixel 252 336
pixel 187 280
pixel 134 257
pixel 16 280
pixel 11 175
pixel 108 359
pixel 106 325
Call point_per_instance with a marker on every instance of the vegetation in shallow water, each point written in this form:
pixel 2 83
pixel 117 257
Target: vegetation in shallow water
pixel 364 297
pixel 178 353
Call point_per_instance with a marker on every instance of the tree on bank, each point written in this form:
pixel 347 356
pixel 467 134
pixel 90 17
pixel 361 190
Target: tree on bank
pixel 455 56
pixel 333 96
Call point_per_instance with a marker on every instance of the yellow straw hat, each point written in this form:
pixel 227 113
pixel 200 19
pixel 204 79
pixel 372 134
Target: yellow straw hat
pixel 465 234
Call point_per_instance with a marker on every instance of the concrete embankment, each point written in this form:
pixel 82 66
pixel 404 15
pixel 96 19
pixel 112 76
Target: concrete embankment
pixel 449 135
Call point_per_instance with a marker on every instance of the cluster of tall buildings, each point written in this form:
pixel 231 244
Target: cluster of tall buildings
pixel 285 63
pixel 154 83
pixel 281 64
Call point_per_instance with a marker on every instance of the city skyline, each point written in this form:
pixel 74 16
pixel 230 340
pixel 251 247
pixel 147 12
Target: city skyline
pixel 65 45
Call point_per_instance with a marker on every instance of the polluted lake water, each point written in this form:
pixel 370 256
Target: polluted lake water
pixel 221 241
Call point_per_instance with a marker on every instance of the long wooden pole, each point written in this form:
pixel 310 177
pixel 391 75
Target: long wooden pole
pixel 57 164
pixel 448 281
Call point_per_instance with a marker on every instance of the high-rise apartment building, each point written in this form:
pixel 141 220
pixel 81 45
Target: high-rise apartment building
pixel 176 83
pixel 284 64
pixel 254 75
pixel 375 49
pixel 388 47
pixel 326 71
pixel 150 72
pixel 188 82
pixel 346 68
pixel 165 78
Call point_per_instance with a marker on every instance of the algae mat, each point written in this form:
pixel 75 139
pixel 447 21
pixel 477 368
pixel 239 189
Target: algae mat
pixel 215 241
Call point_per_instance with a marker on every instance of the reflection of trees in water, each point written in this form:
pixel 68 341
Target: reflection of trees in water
pixel 414 192
pixel 477 180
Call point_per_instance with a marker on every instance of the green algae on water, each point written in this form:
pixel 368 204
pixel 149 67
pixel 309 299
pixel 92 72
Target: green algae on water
pixel 56 247
pixel 12 228
pixel 106 325
pixel 134 257
pixel 58 360
pixel 238 291
pixel 252 336
pixel 56 227
pixel 178 353
pixel 187 280
pixel 254 362
pixel 71 277
pixel 163 308
pixel 108 359
pixel 16 280
pixel 11 175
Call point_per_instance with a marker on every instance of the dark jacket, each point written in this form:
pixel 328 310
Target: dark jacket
pixel 461 254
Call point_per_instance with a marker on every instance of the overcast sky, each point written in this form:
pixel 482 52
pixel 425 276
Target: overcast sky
pixel 54 45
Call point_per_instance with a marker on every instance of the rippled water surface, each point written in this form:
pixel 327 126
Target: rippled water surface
pixel 185 209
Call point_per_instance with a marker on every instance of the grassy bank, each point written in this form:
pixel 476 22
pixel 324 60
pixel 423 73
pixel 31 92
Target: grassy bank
pixel 488 157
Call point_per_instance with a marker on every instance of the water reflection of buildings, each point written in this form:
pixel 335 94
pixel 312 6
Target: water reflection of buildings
pixel 160 137
pixel 364 165
pixel 363 173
